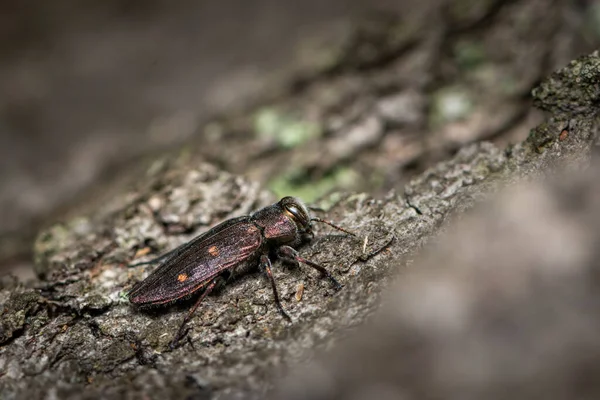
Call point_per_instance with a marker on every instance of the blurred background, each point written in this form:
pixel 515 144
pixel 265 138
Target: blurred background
pixel 307 97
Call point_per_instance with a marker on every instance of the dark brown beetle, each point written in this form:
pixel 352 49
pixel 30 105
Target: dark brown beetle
pixel 232 245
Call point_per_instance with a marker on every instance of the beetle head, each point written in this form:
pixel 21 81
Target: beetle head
pixel 297 211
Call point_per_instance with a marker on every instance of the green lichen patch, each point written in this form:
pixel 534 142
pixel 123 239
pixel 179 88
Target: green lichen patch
pixel 15 312
pixel 284 129
pixel 297 183
pixel 572 91
pixel 469 54
pixel 450 104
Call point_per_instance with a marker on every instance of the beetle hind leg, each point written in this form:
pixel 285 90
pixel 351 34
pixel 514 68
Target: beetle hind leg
pixel 181 332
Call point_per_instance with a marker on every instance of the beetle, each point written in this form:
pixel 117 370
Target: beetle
pixel 233 245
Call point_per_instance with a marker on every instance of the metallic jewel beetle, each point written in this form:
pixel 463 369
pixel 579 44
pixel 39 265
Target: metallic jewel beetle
pixel 232 245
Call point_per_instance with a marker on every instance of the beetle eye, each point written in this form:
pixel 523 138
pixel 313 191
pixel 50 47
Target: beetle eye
pixel 297 214
pixel 294 211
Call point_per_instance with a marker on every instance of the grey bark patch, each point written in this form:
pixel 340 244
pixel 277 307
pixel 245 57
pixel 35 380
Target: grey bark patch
pixel 19 306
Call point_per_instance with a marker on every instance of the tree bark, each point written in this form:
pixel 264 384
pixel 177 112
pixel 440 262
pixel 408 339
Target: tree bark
pixel 76 336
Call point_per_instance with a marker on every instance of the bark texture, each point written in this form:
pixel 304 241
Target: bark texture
pixel 77 337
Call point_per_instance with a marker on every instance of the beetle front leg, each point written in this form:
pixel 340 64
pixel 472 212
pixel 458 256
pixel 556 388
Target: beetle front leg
pixel 289 254
pixel 265 264
pixel 307 237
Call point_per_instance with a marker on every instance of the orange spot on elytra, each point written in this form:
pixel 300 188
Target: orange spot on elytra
pixel 213 250
pixel 563 135
pixel 182 277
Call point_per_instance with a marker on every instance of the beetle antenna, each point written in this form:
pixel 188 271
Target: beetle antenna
pixel 331 224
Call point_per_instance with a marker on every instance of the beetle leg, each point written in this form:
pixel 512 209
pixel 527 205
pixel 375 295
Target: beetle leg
pixel 265 264
pixel 288 254
pixel 307 236
pixel 181 332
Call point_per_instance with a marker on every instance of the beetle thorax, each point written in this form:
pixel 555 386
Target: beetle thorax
pixel 284 222
pixel 278 227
